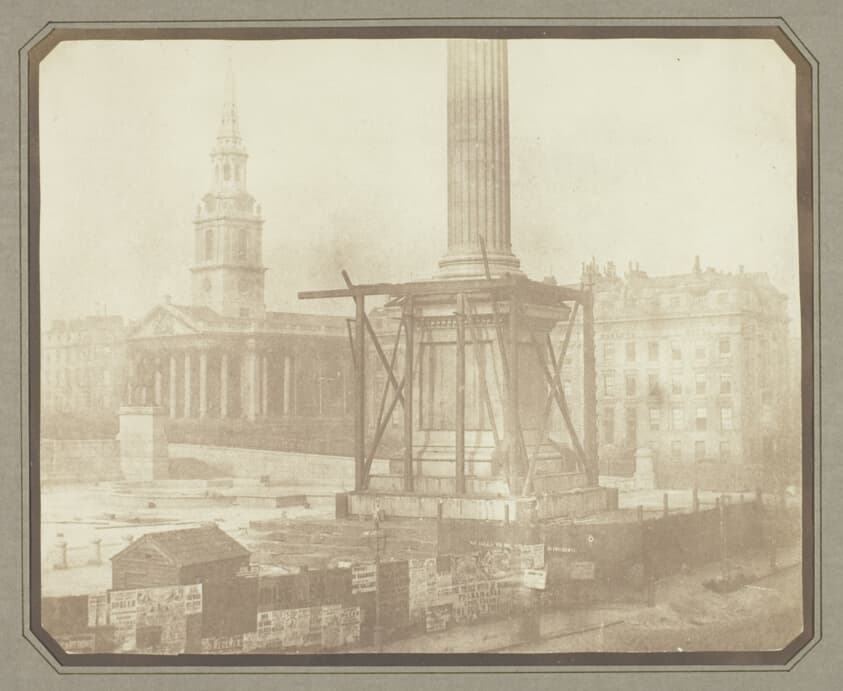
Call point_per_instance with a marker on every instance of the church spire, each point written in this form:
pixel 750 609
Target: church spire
pixel 228 271
pixel 229 154
pixel 229 126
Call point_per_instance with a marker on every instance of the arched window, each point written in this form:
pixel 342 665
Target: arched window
pixel 226 171
pixel 237 173
pixel 209 243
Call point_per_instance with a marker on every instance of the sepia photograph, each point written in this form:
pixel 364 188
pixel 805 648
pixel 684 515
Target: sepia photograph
pixel 372 347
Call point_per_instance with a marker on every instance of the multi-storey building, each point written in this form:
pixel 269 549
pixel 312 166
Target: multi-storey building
pixel 83 365
pixel 692 366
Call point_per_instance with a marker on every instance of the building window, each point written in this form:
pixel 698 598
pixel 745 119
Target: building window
pixel 676 351
pixel 630 351
pixel 701 422
pixel 609 426
pixel 725 382
pixel 677 418
pixel 699 351
pixel 699 450
pixel 609 383
pixel 726 418
pixel 653 384
pixel 700 383
pixel 676 385
pixel 725 347
pixel 653 351
pixel 608 352
pixel 676 450
pixel 655 419
pixel 631 427
pixel 725 452
pixel 630 384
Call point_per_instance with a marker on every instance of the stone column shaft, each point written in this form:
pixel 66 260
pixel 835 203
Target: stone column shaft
pixel 264 386
pixel 187 385
pixel 287 384
pixel 224 385
pixel 478 159
pixel 172 399
pixel 203 384
pixel 250 362
pixel 158 382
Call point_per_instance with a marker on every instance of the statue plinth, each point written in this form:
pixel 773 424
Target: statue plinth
pixel 143 443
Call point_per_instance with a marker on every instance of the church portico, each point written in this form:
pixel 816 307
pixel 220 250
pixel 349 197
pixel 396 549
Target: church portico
pixel 225 362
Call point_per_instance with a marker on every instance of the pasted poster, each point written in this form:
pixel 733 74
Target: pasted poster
pixel 193 598
pixel 123 615
pixel 437 617
pixel 331 627
pixel 97 610
pixel 350 625
pixel 223 645
pixel 363 578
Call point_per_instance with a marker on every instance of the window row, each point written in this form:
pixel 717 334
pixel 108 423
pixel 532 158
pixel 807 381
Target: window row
pixel 654 385
pixel 677 422
pixel 677 350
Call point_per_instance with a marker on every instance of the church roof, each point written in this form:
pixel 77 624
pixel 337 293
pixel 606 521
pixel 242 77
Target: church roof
pixel 168 319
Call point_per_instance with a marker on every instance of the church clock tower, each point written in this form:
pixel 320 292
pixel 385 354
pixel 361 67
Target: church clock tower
pixel 228 272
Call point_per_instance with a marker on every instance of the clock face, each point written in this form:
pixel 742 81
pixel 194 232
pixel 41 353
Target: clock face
pixel 245 286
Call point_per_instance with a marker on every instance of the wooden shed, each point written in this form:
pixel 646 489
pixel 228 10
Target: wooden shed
pixel 178 557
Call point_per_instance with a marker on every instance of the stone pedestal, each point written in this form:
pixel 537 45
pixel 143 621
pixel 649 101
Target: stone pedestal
pixel 143 443
pixel 645 476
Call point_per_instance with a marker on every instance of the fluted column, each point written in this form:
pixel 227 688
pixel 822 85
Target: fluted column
pixel 172 398
pixel 187 385
pixel 224 385
pixel 478 159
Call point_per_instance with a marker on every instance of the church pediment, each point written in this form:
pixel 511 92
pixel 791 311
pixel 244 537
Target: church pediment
pixel 164 322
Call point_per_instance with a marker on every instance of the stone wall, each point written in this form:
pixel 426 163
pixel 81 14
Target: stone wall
pixel 70 461
pixel 287 467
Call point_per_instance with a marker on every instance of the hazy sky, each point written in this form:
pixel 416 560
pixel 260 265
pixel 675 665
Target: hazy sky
pixel 630 150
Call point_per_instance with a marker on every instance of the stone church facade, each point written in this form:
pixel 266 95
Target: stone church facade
pixel 225 355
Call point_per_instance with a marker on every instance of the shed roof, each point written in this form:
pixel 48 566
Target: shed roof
pixel 190 546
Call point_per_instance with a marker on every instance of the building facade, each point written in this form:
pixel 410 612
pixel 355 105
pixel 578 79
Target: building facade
pixel 692 366
pixel 83 365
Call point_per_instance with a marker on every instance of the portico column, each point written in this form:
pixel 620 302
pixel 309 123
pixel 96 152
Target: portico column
pixel 286 401
pixel 250 363
pixel 158 381
pixel 187 384
pixel 203 383
pixel 264 386
pixel 224 385
pixel 172 399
